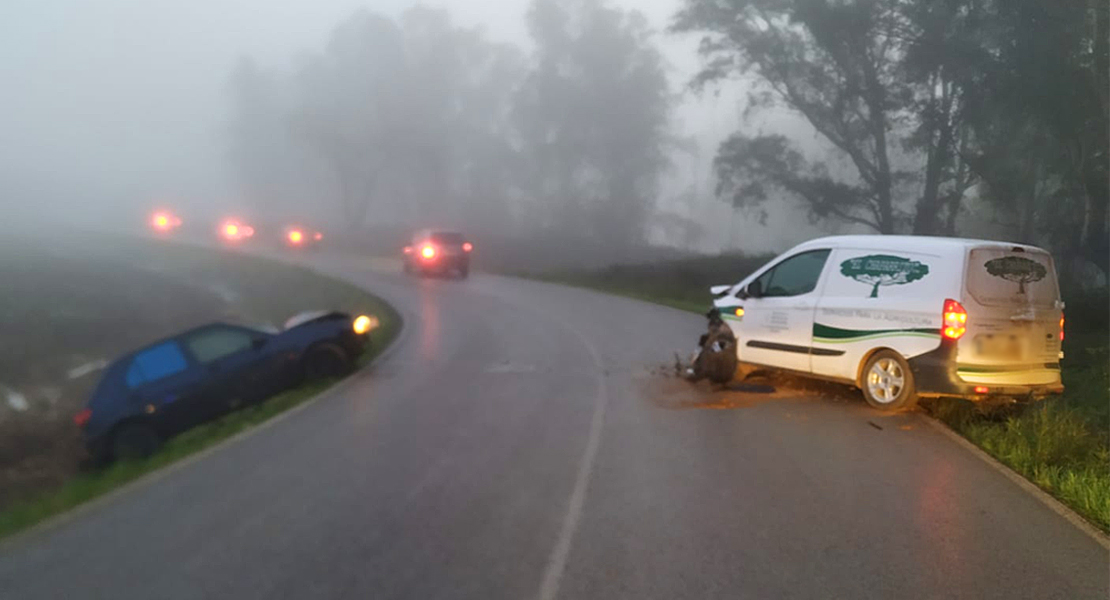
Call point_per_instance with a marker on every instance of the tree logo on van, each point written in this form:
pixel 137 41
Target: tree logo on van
pixel 1016 269
pixel 879 270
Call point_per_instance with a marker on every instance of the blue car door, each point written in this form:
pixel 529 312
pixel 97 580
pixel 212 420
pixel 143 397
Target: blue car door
pixel 236 360
pixel 168 388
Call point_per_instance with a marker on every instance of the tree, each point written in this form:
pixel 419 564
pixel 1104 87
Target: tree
pixel 1017 269
pixel 409 116
pixel 835 64
pixel 879 270
pixel 1039 119
pixel 593 115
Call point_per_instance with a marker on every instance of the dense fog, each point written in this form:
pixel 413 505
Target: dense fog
pixel 686 124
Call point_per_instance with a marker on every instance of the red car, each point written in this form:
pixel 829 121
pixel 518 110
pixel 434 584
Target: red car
pixel 438 252
pixel 296 236
pixel 235 231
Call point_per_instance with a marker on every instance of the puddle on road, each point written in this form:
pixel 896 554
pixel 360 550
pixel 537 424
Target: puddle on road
pixel 675 393
pixel 663 387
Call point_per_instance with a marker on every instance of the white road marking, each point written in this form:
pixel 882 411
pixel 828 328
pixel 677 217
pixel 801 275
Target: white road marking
pixel 89 367
pixel 507 367
pixel 557 562
pixel 17 401
pixel 1052 503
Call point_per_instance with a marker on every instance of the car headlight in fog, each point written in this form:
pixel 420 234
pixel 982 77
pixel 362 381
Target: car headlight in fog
pixel 363 324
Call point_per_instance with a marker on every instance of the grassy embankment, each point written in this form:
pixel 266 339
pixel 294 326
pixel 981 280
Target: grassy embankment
pixel 78 301
pixel 1062 444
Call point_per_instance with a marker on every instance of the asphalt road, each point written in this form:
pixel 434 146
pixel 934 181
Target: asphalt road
pixel 517 442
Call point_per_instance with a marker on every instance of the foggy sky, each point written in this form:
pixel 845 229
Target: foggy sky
pixel 117 104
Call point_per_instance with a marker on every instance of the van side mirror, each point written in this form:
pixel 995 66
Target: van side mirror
pixel 754 289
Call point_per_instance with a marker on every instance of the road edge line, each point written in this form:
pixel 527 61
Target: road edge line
pixel 56 521
pixel 1044 497
pixel 557 561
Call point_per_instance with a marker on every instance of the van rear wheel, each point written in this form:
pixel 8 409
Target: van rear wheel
pixel 887 382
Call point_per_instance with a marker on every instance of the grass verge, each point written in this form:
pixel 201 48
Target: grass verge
pixel 1062 444
pixel 91 484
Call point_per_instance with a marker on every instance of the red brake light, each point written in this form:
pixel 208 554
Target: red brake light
pixel 164 221
pixel 955 320
pixel 428 252
pixel 82 418
pixel 295 236
pixel 1061 327
pixel 982 389
pixel 319 236
pixel 408 249
pixel 467 247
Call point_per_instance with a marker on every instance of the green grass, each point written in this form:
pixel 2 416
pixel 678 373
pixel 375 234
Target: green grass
pixel 88 485
pixel 683 283
pixel 1060 444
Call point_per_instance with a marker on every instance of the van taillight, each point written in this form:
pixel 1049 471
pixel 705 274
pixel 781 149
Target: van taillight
pixel 1061 327
pixel 955 320
pixel 82 418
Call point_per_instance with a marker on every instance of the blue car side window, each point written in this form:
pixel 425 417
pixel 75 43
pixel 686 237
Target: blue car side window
pixel 156 363
pixel 134 376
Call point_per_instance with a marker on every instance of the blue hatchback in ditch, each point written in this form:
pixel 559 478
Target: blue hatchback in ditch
pixel 176 383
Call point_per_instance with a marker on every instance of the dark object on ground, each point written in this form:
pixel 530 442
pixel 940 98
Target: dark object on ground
pixel 438 252
pixel 179 382
pixel 751 388
pixel 716 360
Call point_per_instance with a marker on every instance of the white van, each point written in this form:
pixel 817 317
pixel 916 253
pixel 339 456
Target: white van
pixel 904 316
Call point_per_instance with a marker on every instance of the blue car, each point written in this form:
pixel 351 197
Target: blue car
pixel 179 382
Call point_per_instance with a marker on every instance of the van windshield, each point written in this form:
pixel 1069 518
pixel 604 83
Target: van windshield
pixel 1000 277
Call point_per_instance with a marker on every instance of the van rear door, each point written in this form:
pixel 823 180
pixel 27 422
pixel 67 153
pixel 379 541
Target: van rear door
pixel 1014 313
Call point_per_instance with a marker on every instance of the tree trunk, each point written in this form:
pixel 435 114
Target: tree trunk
pixel 875 97
pixel 1096 246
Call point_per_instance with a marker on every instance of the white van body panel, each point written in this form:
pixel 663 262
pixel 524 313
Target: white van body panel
pixel 878 292
pixel 881 299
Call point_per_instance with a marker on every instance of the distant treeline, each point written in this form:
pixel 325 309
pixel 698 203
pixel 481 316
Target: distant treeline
pixel 926 113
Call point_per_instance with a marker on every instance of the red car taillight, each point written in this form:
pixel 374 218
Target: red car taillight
pixel 467 247
pixel 955 320
pixel 1061 327
pixel 428 252
pixel 82 418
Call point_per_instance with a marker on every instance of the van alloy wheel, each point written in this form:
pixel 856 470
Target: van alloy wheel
pixel 887 382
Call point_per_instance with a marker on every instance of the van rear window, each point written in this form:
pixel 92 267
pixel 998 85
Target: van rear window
pixel 997 276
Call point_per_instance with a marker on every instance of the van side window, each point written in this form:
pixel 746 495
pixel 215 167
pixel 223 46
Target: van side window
pixel 155 363
pixel 794 276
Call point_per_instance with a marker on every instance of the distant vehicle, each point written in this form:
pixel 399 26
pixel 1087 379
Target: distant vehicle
pixel 296 236
pixel 235 231
pixel 437 251
pixel 899 317
pixel 179 382
pixel 164 221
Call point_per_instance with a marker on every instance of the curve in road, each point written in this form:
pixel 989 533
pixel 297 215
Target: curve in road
pixel 518 443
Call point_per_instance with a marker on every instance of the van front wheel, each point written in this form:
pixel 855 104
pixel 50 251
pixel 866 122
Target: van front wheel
pixel 887 382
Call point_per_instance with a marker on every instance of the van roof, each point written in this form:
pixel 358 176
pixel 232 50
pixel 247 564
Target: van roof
pixel 908 242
